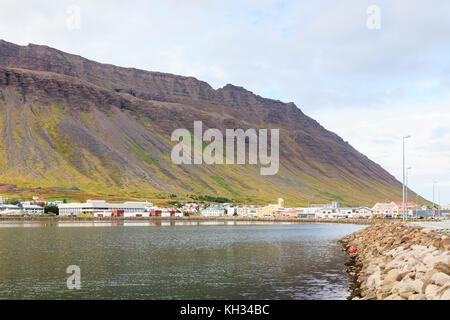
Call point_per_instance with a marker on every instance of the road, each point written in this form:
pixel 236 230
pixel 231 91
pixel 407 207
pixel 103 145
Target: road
pixel 439 226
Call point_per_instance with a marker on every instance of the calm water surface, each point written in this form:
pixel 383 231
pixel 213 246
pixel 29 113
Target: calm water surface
pixel 173 260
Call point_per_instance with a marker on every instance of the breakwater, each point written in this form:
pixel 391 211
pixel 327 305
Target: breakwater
pixel 395 261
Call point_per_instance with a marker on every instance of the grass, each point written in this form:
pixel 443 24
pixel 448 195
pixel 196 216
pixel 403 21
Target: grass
pixel 60 109
pixel 330 197
pixel 225 186
pixel 145 157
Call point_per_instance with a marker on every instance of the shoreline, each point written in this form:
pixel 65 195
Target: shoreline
pixel 396 261
pixel 195 218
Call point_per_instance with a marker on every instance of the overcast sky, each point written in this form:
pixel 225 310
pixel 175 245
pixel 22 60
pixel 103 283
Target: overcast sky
pixel 370 80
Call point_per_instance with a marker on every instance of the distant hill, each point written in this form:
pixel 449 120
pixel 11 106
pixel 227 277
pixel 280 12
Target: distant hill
pixel 71 122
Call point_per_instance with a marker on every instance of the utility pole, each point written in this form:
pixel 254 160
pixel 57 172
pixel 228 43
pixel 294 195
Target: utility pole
pixel 403 193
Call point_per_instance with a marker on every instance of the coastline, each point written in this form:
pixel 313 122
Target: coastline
pixel 191 218
pixel 395 261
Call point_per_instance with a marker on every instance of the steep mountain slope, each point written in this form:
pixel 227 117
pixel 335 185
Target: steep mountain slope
pixel 70 122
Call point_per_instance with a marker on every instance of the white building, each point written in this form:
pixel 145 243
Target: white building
pixel 344 213
pixel 311 213
pixel 93 206
pixel 125 214
pixel 357 212
pixel 231 211
pixel 213 211
pixel 245 211
pixel 9 209
pixel 31 209
pixel 55 203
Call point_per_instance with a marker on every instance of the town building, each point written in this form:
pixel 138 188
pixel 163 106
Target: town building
pixel 268 211
pixel 213 211
pixel 409 207
pixel 93 206
pixel 37 199
pixel 20 209
pixel 31 209
pixel 385 210
pixel 245 211
pixel 9 209
pixel 320 205
pixel 310 212
pixel 231 211
pixel 120 213
pixel 54 203
pixel 392 209
pixel 355 212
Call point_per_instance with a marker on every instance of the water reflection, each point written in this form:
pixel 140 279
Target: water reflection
pixel 123 260
pixel 19 225
pixel 125 223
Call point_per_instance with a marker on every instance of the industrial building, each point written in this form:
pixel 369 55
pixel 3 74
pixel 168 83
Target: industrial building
pixel 96 206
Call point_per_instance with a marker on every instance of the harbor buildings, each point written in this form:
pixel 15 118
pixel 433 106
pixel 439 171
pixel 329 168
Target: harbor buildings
pixel 96 206
pixel 392 209
pixel 21 209
pixel 213 211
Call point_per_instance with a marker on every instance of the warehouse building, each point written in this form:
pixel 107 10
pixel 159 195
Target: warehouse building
pixel 96 206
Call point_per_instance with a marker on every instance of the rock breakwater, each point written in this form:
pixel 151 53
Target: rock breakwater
pixel 395 261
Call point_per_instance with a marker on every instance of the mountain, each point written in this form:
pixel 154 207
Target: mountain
pixel 69 122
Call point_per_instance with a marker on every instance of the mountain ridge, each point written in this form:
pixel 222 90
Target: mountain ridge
pixel 130 118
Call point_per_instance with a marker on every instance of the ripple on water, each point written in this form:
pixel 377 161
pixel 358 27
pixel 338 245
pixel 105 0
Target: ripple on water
pixel 139 261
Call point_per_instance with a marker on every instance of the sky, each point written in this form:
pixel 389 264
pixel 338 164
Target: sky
pixel 370 71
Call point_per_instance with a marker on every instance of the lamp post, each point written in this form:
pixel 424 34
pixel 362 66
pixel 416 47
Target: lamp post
pixel 417 204
pixel 439 202
pixel 434 183
pixel 406 188
pixel 403 213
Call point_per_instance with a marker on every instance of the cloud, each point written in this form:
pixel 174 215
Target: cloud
pixel 378 134
pixel 370 86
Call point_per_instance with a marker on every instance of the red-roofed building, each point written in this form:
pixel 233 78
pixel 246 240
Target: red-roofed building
pixel 38 200
pixel 393 209
pixel 385 209
pixel 409 206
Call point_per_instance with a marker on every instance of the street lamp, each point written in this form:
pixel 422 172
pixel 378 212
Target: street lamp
pixel 406 187
pixel 439 202
pixel 404 138
pixel 434 183
pixel 417 205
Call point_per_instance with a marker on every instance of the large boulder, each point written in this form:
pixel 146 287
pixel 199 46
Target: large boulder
pixel 440 278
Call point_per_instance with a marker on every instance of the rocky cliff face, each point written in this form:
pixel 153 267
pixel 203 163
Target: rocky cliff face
pixel 70 122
